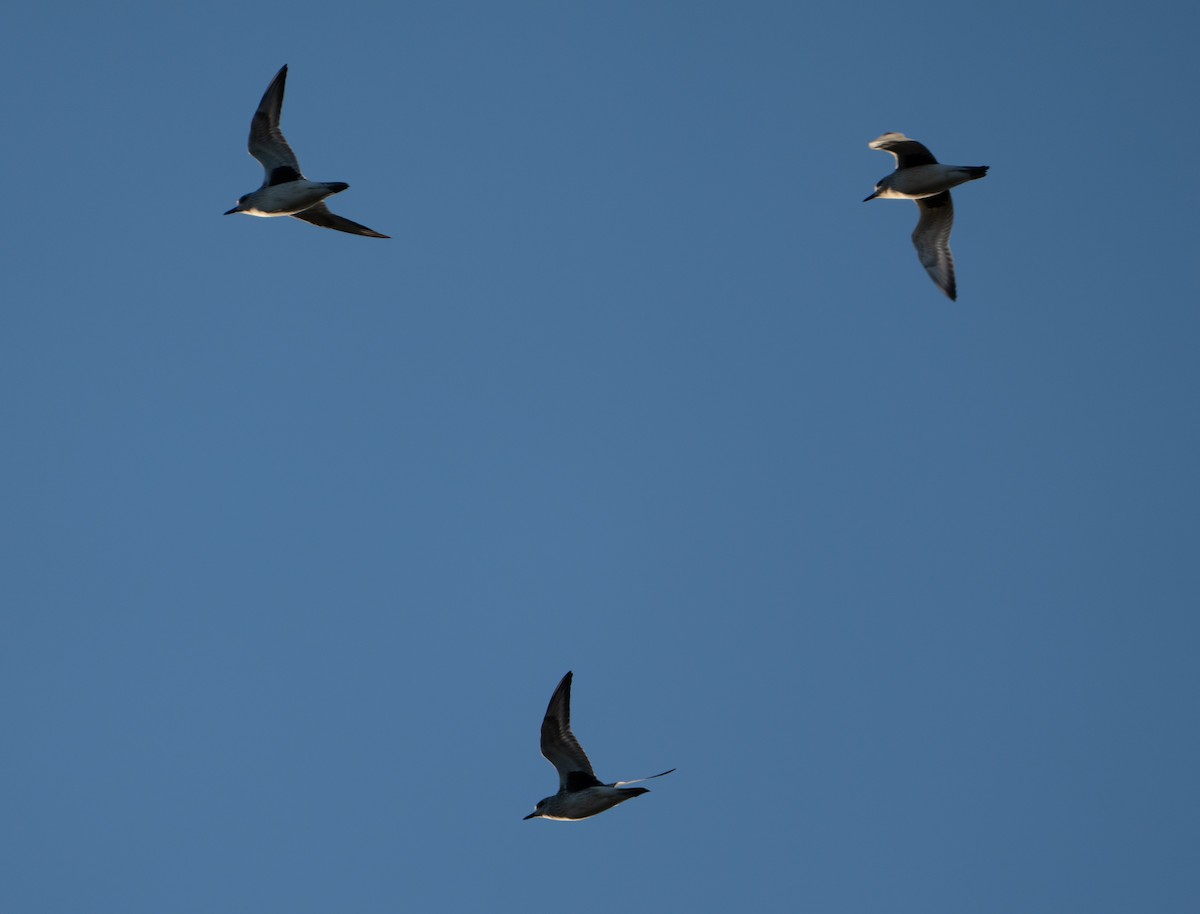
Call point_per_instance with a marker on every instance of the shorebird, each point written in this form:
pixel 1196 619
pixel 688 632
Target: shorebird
pixel 920 178
pixel 285 191
pixel 580 792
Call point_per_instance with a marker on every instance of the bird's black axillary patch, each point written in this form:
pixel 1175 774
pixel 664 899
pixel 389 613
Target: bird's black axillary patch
pixel 283 174
pixel 581 780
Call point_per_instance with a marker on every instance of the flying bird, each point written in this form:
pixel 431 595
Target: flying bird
pixel 920 178
pixel 285 191
pixel 580 792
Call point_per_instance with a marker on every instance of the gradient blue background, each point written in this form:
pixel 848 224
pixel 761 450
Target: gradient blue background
pixel 301 529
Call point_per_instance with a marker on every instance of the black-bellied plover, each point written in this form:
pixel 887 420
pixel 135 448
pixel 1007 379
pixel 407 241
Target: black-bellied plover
pixel 580 792
pixel 285 191
pixel 920 178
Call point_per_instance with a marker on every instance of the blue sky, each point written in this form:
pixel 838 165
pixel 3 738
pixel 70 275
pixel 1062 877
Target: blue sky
pixel 302 529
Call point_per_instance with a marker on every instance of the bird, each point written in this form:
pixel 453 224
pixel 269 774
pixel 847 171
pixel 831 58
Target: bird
pixel 285 191
pixel 580 793
pixel 920 178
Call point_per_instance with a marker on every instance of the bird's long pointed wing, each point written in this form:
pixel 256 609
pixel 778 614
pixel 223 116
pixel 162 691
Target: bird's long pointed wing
pixel 559 744
pixel 907 152
pixel 639 780
pixel 931 238
pixel 266 139
pixel 320 215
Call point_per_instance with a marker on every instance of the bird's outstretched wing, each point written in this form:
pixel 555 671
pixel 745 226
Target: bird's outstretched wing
pixel 931 238
pixel 559 744
pixel 266 139
pixel 639 780
pixel 320 215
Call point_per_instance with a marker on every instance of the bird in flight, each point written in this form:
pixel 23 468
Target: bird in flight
pixel 285 191
pixel 580 792
pixel 921 178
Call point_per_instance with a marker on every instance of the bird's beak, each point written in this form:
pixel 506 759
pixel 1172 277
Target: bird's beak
pixel 532 815
pixel 230 212
pixel 872 197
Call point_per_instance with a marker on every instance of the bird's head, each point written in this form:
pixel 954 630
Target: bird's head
pixel 539 810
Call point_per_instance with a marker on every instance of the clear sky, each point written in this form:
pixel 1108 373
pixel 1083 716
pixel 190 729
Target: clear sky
pixel 301 529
